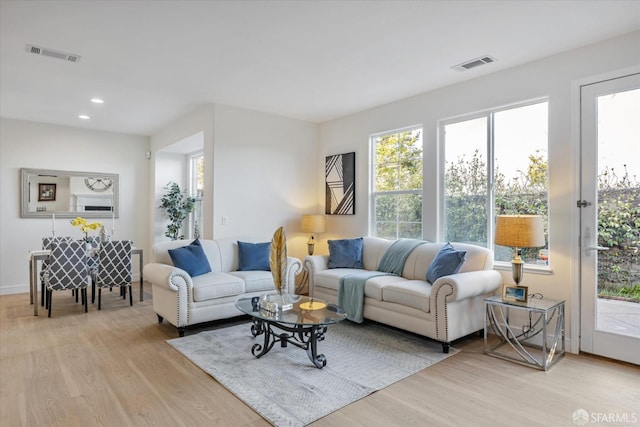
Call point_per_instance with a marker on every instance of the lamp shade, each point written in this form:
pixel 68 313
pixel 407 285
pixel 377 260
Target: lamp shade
pixel 313 224
pixel 521 231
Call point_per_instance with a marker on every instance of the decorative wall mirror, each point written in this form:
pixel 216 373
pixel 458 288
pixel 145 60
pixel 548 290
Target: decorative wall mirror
pixel 68 194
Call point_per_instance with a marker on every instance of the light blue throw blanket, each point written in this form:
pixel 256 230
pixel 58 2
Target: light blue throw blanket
pixel 351 293
pixel 351 289
pixel 395 256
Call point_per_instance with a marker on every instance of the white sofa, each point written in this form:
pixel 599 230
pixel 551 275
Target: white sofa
pixel 184 300
pixel 450 308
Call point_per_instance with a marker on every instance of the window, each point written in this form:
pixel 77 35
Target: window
pixel 396 196
pixel 513 181
pixel 196 188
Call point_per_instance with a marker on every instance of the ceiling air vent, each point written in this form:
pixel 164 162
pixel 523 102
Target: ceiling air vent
pixel 474 63
pixel 52 53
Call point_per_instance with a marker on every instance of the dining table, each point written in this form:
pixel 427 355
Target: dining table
pixel 39 255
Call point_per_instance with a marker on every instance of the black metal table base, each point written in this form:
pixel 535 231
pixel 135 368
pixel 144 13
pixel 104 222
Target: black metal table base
pixel 305 337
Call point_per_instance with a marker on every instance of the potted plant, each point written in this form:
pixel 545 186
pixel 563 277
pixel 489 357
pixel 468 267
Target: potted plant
pixel 177 205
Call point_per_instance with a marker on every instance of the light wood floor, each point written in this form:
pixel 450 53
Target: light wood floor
pixel 113 368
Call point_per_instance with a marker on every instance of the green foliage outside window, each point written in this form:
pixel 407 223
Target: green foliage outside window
pixel 466 195
pixel 619 230
pixel 618 215
pixel 398 185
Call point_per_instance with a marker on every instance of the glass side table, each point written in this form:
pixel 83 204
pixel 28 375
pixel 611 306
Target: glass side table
pixel 540 343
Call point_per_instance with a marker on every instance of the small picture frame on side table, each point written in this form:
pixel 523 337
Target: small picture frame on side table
pixel 514 293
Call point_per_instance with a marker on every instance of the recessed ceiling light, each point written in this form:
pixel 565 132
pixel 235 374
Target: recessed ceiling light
pixel 97 101
pixel 84 117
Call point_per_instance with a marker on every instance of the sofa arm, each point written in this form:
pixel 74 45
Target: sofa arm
pixel 461 286
pixel 314 264
pixel 172 292
pixel 294 267
pixel 167 276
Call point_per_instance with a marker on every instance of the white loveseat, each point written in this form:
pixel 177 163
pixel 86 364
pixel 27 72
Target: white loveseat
pixel 450 308
pixel 184 300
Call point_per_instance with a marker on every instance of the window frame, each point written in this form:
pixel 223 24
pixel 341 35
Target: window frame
pixel 372 177
pixel 193 192
pixel 489 114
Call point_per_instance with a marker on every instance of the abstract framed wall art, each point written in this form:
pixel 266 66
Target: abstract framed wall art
pixel 340 184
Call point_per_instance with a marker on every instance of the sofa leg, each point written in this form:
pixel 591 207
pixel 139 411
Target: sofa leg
pixel 160 318
pixel 181 331
pixel 445 347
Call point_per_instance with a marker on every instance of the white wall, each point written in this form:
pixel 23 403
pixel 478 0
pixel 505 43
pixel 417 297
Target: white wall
pixel 264 171
pixel 169 167
pixel 551 77
pixel 200 120
pixel 266 175
pixel 43 146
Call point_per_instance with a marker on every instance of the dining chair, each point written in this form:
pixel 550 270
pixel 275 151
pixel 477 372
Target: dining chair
pixel 67 270
pixel 46 244
pixel 114 268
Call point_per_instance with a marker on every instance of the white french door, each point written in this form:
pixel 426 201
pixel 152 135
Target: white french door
pixel 610 194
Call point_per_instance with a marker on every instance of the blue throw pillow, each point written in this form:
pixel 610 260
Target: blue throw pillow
pixel 346 253
pixel 447 261
pixel 191 259
pixel 254 256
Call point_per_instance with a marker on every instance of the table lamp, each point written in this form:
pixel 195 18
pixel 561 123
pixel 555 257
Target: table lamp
pixel 313 224
pixel 519 231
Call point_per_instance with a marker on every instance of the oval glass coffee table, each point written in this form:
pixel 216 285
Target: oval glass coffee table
pixel 302 325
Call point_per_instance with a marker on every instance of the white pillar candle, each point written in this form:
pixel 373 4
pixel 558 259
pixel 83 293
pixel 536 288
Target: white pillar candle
pixel 53 223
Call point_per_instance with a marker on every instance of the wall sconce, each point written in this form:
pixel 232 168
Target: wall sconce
pixel 313 224
pixel 519 231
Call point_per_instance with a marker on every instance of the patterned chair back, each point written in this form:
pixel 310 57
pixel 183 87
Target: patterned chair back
pixel 47 241
pixel 46 244
pixel 67 266
pixel 114 264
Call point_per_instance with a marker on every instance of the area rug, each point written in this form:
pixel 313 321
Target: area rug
pixel 287 389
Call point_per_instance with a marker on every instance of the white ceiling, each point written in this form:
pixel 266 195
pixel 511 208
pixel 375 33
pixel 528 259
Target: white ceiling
pixel 154 61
